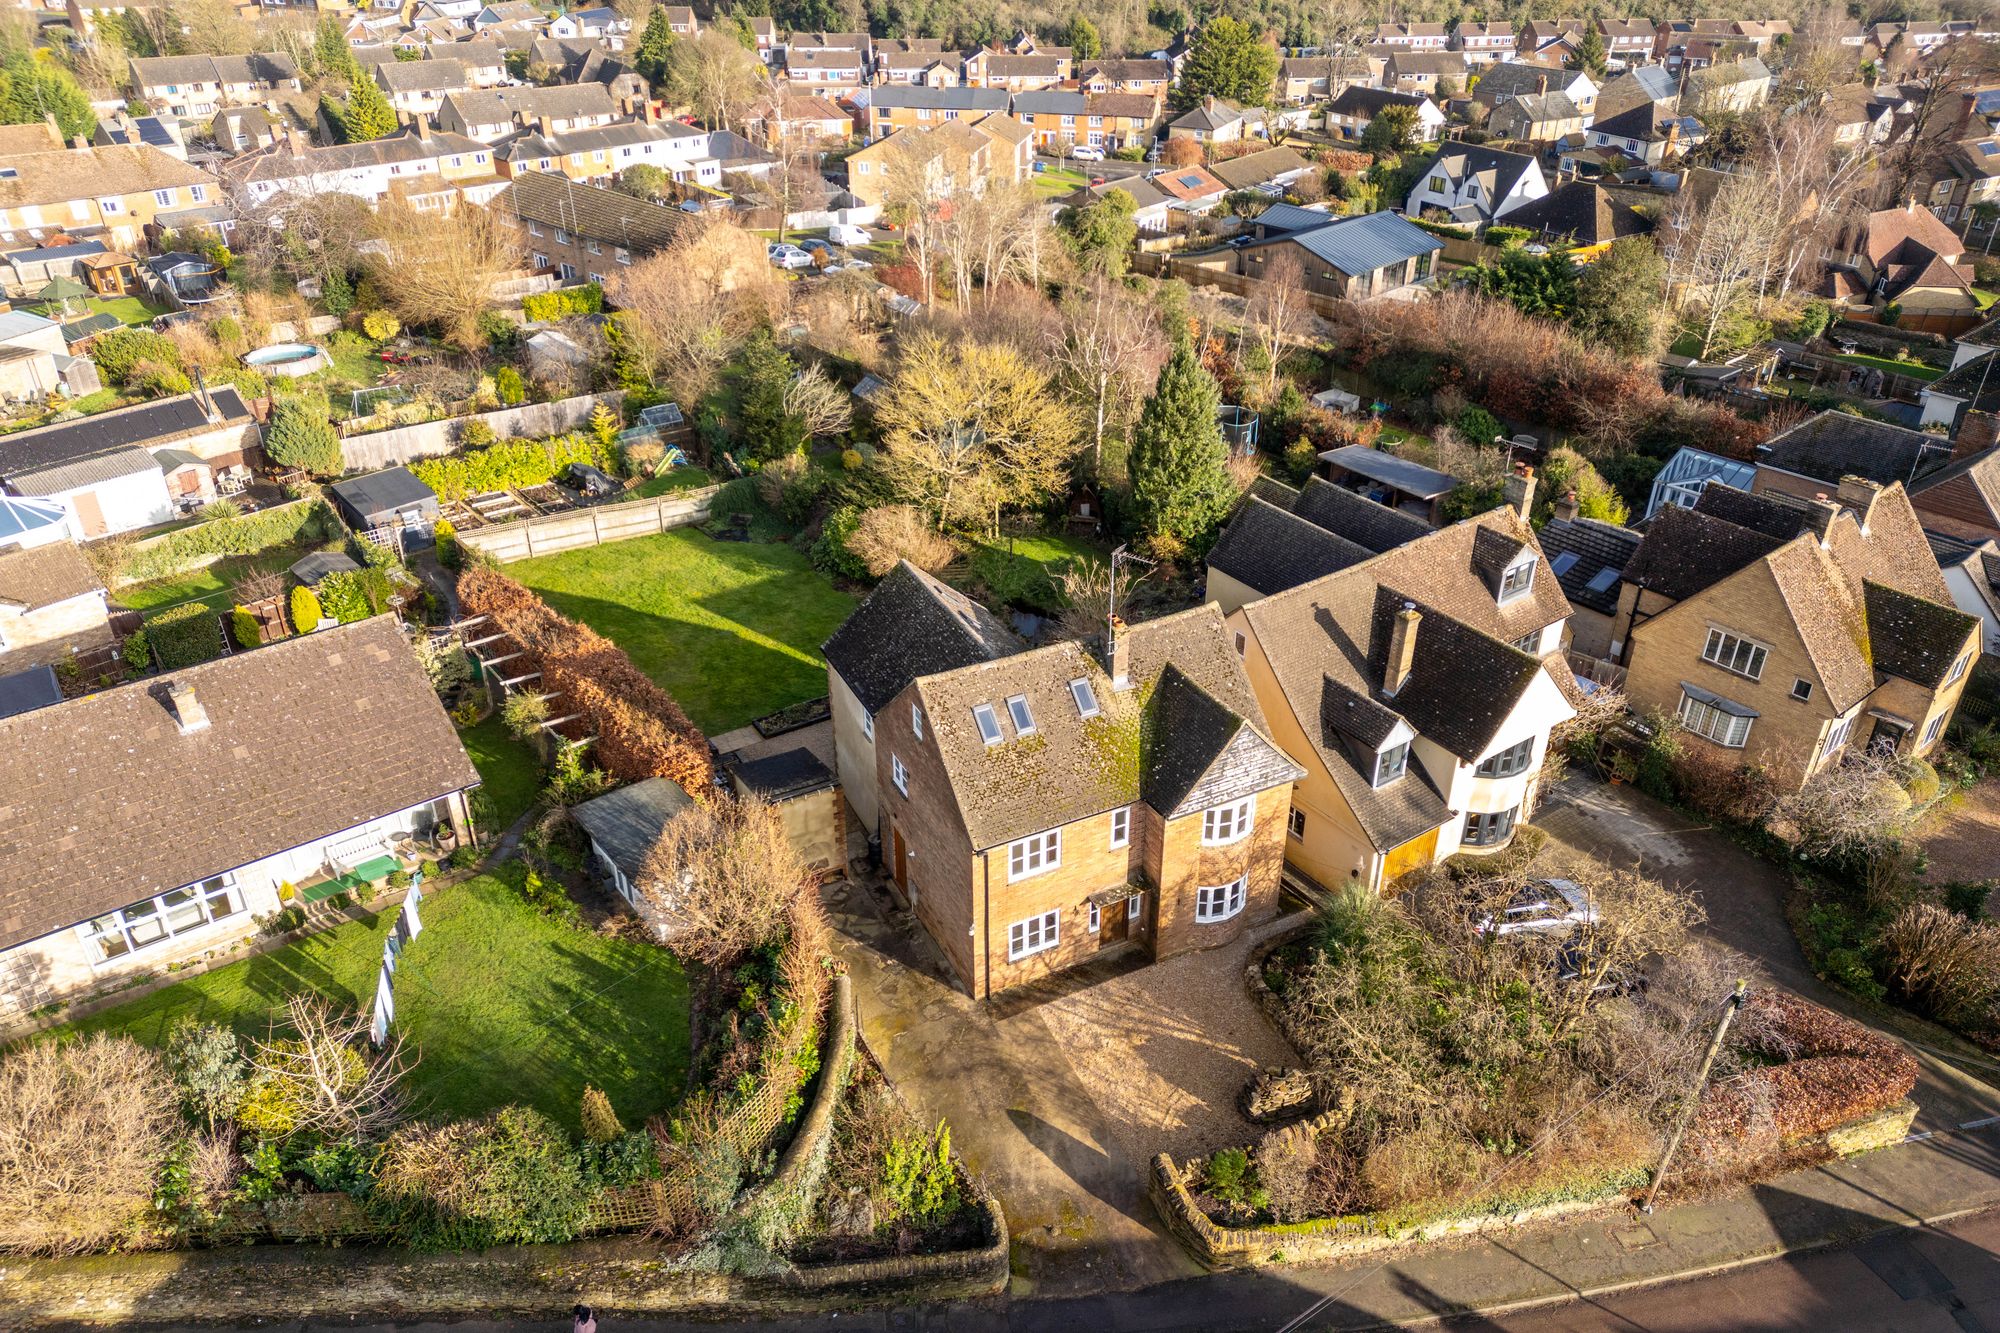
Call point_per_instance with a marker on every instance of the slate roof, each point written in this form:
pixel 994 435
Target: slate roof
pixel 1514 78
pixel 1915 639
pixel 1596 546
pixel 1965 383
pixel 1269 550
pixel 1188 734
pixel 1359 100
pixel 1685 552
pixel 1536 109
pixel 153 71
pixel 1357 518
pixel 25 691
pixel 162 421
pixel 103 802
pixel 1760 513
pixel 1833 445
pixel 912 625
pixel 1580 212
pixel 626 824
pixel 935 99
pixel 1414 479
pixel 41 576
pixel 1214 113
pixel 1644 122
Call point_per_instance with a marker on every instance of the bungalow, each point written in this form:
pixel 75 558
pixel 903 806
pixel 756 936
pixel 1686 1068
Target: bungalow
pixel 52 606
pixel 1020 818
pixel 1217 120
pixel 1194 189
pixel 1580 216
pixel 1471 183
pixel 801 118
pixel 1350 114
pixel 1352 258
pixel 96 896
pixel 1268 169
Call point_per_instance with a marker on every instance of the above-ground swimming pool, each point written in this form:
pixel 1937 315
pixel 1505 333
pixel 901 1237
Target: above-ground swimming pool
pixel 288 358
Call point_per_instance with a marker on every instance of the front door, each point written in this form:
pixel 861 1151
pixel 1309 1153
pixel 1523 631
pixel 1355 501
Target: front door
pixel 1113 924
pixel 900 860
pixel 1887 738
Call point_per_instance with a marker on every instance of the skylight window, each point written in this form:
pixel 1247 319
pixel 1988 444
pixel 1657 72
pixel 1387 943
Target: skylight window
pixel 1024 721
pixel 988 721
pixel 1602 580
pixel 1086 697
pixel 1563 563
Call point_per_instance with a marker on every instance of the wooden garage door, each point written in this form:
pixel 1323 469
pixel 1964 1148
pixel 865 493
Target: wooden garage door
pixel 1412 855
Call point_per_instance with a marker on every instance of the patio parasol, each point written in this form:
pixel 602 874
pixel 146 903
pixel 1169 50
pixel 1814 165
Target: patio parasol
pixel 63 290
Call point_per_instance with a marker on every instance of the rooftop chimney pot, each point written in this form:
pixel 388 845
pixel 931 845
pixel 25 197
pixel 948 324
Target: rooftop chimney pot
pixel 1402 648
pixel 1566 508
pixel 189 715
pixel 1521 490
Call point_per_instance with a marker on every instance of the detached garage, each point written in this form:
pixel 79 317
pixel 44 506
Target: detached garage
pixel 392 498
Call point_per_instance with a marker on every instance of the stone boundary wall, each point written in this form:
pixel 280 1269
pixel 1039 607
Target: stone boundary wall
pixel 590 526
pixel 370 450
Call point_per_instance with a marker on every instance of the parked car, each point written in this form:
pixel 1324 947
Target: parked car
pixel 1238 242
pixel 815 246
pixel 1087 153
pixel 1573 959
pixel 788 256
pixel 846 233
pixel 1549 905
pixel 591 481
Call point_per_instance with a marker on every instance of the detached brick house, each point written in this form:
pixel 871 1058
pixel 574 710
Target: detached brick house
pixel 1795 633
pixel 1039 806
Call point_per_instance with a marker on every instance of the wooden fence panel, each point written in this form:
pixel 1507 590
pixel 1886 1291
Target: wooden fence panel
pixel 593 526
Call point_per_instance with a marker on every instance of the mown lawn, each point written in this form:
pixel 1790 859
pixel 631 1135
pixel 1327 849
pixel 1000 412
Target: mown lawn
pixel 500 1005
pixel 508 771
pixel 673 479
pixel 1915 370
pixel 211 584
pixel 1031 575
pixel 730 629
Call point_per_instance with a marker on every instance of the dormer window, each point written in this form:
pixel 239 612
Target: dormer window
pixel 1085 696
pixel 1517 581
pixel 1390 764
pixel 988 723
pixel 1024 721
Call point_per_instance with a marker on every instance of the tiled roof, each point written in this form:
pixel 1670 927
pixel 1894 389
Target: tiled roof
pixel 1269 550
pixel 1359 519
pixel 77 173
pixel 1359 100
pixel 1981 471
pixel 1915 639
pixel 596 214
pixel 1827 613
pixel 1685 552
pixel 415 76
pixel 1833 445
pixel 280 162
pixel 1761 513
pixel 144 424
pixel 1178 734
pixel 104 802
pixel 41 576
pixel 1463 684
pixel 1253 169
pixel 912 625
pixel 1973 383
pixel 1582 212
pixel 1592 547
pixel 563 101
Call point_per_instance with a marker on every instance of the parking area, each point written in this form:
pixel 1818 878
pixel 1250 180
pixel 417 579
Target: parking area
pixel 1058 1098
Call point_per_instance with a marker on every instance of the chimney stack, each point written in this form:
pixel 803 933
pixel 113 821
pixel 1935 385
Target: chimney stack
pixel 1566 507
pixel 1977 432
pixel 423 126
pixel 188 713
pixel 1859 494
pixel 1820 515
pixel 1118 657
pixel 1402 649
pixel 1521 490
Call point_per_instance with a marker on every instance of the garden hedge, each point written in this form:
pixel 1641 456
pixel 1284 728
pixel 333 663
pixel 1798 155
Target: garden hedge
pixel 303 520
pixel 509 465
pixel 185 636
pixel 546 307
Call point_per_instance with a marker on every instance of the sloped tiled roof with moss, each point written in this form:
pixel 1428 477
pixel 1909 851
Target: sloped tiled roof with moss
pixel 912 625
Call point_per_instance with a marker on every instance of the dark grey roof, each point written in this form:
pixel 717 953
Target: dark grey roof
pixel 1966 382
pixel 1833 445
pixel 1512 78
pixel 379 494
pixel 1359 519
pixel 25 691
pixel 1353 714
pixel 1910 637
pixel 55 253
pixel 107 432
pixel 1582 212
pixel 319 564
pixel 1269 550
pixel 626 824
pixel 1580 550
pixel 1397 473
pixel 912 625
pixel 1463 684
pixel 1760 513
pixel 1049 103
pixel 1685 552
pixel 1358 100
pixel 1357 245
pixel 955 99
pixel 1290 217
pixel 781 776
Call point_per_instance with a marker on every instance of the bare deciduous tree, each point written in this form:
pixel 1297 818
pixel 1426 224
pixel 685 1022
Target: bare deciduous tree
pixel 820 405
pixel 323 1077
pixel 1716 253
pixel 691 304
pixel 723 878
pixel 1934 92
pixel 887 534
pixel 1086 590
pixel 1279 311
pixel 1109 349
pixel 714 74
pixel 441 270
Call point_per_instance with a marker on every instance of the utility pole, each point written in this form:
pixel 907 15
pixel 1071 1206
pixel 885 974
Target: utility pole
pixel 1734 1003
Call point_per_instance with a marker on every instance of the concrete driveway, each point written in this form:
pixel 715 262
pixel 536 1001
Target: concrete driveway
pixel 1059 1096
pixel 1744 897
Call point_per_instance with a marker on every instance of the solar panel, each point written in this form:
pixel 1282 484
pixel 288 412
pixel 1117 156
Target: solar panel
pixel 1602 580
pixel 1563 563
pixel 1189 181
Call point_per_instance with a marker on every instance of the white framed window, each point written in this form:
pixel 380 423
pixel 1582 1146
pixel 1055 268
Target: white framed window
pixel 198 193
pixel 988 723
pixel 562 236
pixel 1958 667
pixel 164 198
pixel 1085 696
pixel 1033 935
pixel 1219 902
pixel 1121 827
pixel 1034 855
pixel 1734 654
pixel 1024 721
pixel 1390 764
pixel 133 928
pixel 1517 581
pixel 1933 727
pixel 1225 824
pixel 1295 823
pixel 1095 919
pixel 1837 737
pixel 1725 728
pixel 534 229
pixel 593 247
pixel 917 721
pixel 868 725
pixel 1135 905
pixel 898 774
pixel 1802 690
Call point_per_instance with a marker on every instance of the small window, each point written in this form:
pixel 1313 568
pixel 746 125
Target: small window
pixel 1958 667
pixel 898 774
pixel 917 721
pixel 1086 697
pixel 1227 823
pixel 1295 823
pixel 1564 562
pixel 1095 920
pixel 1802 690
pixel 1602 580
pixel 1219 902
pixel 1135 905
pixel 1121 827
pixel 1033 935
pixel 164 198
pixel 1390 764
pixel 1517 581
pixel 1933 727
pixel 1034 855
pixel 1527 643
pixel 534 229
pixel 868 725
pixel 1024 721
pixel 988 723
pixel 1837 737
pixel 1242 644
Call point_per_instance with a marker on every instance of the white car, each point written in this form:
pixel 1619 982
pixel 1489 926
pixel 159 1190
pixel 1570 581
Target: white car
pixel 1546 905
pixel 846 233
pixel 788 256
pixel 1086 153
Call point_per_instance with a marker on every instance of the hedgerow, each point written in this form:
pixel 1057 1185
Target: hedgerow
pixel 509 465
pixel 306 520
pixel 545 307
pixel 185 636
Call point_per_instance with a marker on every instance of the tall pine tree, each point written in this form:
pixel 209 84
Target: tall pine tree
pixel 654 45
pixel 1178 463
pixel 1588 55
pixel 367 114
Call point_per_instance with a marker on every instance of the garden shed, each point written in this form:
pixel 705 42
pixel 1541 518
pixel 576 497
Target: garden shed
pixel 623 827
pixel 319 564
pixel 391 498
pixel 794 771
pixel 1387 479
